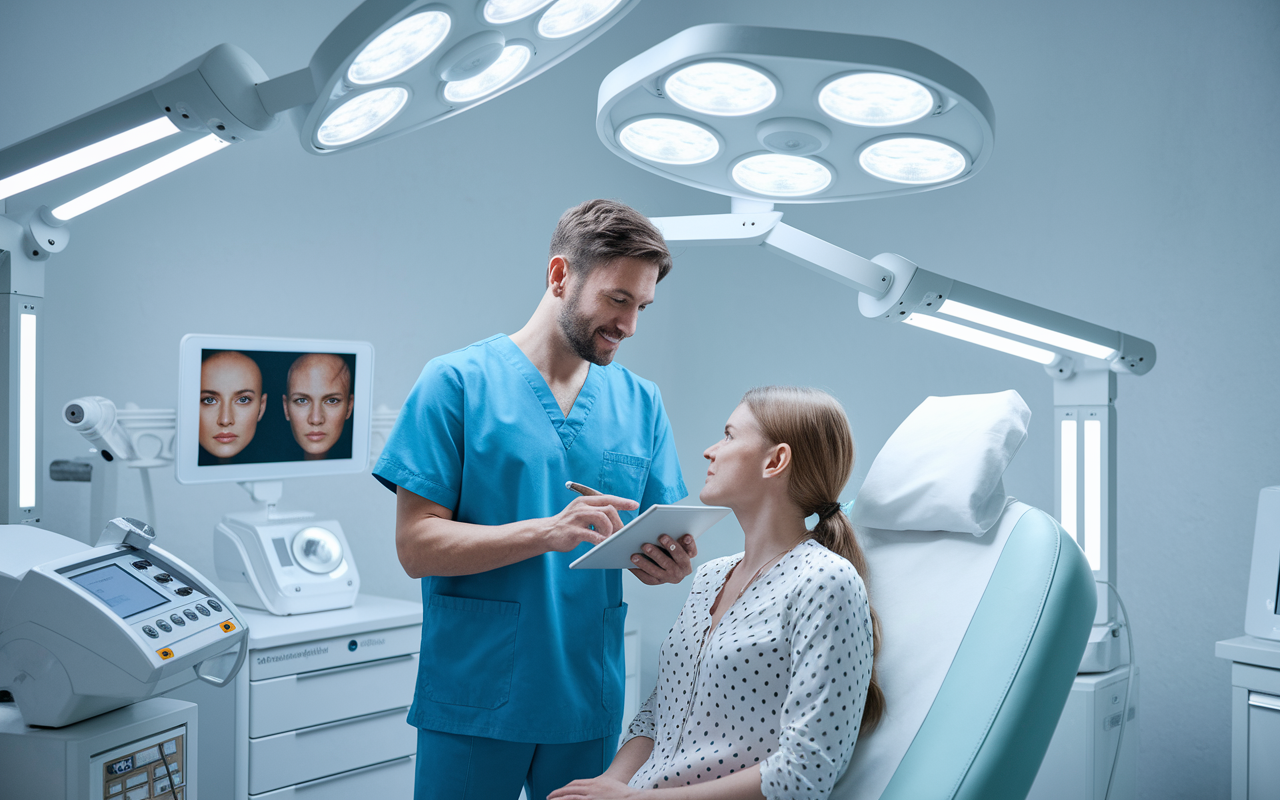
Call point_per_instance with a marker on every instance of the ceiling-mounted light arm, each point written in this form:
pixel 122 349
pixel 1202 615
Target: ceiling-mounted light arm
pixel 757 224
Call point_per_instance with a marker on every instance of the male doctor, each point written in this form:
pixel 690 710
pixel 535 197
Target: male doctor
pixel 521 670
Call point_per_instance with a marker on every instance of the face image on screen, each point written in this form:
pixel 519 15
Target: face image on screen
pixel 262 407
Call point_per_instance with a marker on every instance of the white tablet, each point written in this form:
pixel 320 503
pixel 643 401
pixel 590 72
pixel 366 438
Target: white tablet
pixel 675 521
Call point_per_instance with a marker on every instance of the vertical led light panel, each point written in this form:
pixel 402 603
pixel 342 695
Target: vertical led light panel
pixel 1068 482
pixel 27 412
pixel 1093 492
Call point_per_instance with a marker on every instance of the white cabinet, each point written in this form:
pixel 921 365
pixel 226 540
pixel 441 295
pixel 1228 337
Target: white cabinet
pixel 1255 716
pixel 318 710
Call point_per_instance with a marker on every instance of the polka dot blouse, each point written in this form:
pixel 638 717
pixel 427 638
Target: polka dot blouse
pixel 781 682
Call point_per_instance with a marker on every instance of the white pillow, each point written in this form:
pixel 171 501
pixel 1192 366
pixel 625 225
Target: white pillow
pixel 941 469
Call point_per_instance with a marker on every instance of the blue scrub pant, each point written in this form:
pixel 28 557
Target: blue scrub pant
pixel 453 766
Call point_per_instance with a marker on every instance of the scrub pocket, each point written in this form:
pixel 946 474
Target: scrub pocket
pixel 615 661
pixel 624 475
pixel 474 650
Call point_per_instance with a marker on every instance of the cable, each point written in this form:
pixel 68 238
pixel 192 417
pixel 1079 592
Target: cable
pixel 1128 687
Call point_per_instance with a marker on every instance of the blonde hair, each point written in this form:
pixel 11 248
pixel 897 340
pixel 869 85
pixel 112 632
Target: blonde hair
pixel 814 424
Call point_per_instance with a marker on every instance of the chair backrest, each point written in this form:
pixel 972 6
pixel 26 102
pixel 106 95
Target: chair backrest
pixel 983 625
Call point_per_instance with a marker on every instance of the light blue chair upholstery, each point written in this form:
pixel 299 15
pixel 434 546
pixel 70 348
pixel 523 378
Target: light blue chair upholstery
pixel 990 724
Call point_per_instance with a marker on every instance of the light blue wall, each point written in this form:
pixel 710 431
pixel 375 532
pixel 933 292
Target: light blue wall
pixel 1132 184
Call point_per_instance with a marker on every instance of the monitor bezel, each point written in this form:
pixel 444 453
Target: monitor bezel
pixel 186 437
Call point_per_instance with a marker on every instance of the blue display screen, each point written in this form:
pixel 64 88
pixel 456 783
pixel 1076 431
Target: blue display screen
pixel 119 591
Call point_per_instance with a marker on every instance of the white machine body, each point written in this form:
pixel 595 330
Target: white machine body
pixel 1262 614
pixel 285 563
pixel 85 630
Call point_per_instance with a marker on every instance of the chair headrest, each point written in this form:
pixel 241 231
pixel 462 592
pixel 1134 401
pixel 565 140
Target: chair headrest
pixel 942 469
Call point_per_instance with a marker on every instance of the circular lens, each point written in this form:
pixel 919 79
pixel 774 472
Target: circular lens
pixel 500 12
pixel 911 160
pixel 875 99
pixel 361 116
pixel 399 47
pixel 781 175
pixel 317 550
pixel 669 141
pixel 507 67
pixel 568 17
pixel 722 89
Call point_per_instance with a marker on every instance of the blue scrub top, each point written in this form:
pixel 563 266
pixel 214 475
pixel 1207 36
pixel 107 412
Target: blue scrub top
pixel 530 652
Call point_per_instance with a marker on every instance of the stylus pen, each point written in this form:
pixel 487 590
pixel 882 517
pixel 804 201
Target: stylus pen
pixel 585 491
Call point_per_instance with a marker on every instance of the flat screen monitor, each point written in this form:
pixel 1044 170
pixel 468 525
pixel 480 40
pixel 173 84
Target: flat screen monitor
pixel 257 408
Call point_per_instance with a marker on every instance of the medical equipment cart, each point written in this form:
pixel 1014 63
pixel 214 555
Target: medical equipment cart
pixel 318 712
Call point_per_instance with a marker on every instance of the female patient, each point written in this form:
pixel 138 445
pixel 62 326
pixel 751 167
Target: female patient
pixel 768 675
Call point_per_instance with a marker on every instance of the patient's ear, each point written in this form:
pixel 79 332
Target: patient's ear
pixel 777 460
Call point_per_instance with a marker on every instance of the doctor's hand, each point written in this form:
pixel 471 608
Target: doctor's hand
pixel 670 563
pixel 586 519
pixel 602 788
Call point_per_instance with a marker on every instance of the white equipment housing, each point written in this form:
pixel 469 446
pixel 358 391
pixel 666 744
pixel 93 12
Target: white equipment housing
pixel 285 563
pixel 85 630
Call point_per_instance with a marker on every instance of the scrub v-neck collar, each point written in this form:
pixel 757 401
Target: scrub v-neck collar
pixel 568 427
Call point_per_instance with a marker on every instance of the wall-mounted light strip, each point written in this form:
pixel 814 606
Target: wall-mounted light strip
pixel 1025 329
pixel 983 338
pixel 140 177
pixel 1068 467
pixel 1093 492
pixel 27 411
pixel 77 160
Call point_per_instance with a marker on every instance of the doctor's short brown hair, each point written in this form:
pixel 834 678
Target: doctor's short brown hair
pixel 596 232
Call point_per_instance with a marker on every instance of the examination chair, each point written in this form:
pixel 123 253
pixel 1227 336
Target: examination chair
pixel 985 604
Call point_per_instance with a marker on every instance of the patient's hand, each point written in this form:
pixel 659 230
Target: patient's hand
pixel 670 565
pixel 595 789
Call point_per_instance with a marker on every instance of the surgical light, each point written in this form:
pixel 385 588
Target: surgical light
pixel 400 48
pixel 514 58
pixel 721 89
pixel 500 12
pixel 912 160
pixel 568 17
pixel 779 175
pixel 140 177
pixel 875 99
pixel 804 93
pixel 669 141
pixel 362 115
pixel 975 336
pixel 87 156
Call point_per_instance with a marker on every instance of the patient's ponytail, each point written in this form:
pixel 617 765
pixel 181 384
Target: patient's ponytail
pixel 814 424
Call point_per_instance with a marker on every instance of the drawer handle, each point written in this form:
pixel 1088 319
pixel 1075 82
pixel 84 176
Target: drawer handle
pixel 349 720
pixel 303 787
pixel 320 673
pixel 1261 700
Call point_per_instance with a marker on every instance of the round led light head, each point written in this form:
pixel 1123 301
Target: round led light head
pixel 777 175
pixel 399 48
pixel 361 116
pixel 912 160
pixel 500 12
pixel 721 88
pixel 668 140
pixel 875 99
pixel 568 17
pixel 317 550
pixel 503 71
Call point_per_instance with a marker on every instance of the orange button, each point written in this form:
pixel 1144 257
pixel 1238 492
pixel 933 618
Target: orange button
pixel 228 626
pixel 165 654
